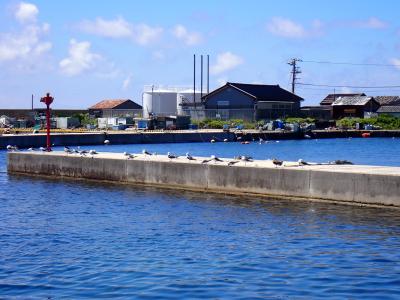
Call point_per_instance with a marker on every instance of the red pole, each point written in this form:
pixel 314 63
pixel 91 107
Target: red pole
pixel 48 145
pixel 47 100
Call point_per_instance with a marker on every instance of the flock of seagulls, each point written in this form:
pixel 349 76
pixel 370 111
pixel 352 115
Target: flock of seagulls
pixel 242 158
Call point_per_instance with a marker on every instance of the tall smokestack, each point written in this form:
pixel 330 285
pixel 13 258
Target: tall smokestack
pixel 201 78
pixel 194 80
pixel 208 74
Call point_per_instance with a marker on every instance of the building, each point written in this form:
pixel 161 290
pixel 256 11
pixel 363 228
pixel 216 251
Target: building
pixel 115 108
pixel 354 106
pixel 328 100
pixel 388 100
pixel 319 113
pixel 251 102
pixel 390 105
pixel 389 110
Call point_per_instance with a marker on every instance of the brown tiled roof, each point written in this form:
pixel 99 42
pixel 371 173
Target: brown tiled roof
pixel 332 97
pixel 108 104
pixel 388 100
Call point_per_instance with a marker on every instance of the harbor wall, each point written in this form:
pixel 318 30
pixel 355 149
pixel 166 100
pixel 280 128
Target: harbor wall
pixel 98 138
pixel 336 184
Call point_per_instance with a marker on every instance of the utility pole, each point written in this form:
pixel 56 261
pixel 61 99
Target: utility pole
pixel 294 72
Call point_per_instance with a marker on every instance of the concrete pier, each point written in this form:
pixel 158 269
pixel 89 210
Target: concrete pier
pixel 341 183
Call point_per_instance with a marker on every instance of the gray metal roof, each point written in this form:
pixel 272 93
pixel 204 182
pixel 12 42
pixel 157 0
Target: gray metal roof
pixel 388 100
pixel 389 109
pixel 352 100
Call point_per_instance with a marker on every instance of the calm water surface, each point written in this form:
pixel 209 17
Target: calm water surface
pixel 73 239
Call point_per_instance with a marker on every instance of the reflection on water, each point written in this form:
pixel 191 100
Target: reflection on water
pixel 75 239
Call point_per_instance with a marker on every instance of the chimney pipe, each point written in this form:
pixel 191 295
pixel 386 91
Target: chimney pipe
pixel 208 74
pixel 194 80
pixel 201 76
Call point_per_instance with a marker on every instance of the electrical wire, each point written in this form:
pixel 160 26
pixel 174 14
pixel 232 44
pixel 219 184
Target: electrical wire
pixel 350 86
pixel 352 64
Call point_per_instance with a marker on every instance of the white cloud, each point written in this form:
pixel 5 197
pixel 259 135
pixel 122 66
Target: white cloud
pixel 118 28
pixel 286 28
pixel 371 23
pixel 396 62
pixel 26 12
pixel 226 61
pixel 25 44
pixel 290 29
pixel 142 34
pixel 158 55
pixel 80 58
pixel 127 82
pixel 189 38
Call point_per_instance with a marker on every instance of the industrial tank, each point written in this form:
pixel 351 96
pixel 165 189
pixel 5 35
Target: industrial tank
pixel 166 100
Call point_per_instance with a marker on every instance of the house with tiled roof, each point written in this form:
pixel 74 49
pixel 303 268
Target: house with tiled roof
pixel 354 106
pixel 115 108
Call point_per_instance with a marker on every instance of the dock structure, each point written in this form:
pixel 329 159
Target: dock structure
pixel 354 184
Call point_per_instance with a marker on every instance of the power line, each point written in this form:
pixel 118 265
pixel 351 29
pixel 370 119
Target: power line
pixel 351 86
pixel 351 64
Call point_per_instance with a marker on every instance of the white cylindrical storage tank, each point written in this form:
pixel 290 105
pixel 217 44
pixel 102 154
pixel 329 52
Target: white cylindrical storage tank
pixel 159 102
pixel 147 100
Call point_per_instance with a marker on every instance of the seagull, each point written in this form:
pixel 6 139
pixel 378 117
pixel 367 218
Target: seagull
pixel 145 152
pixel 75 151
pixel 277 162
pixel 31 149
pixel 225 140
pixel 189 157
pixel 171 156
pixel 131 156
pixel 92 152
pixel 302 162
pixel 83 152
pixel 126 153
pixel 67 150
pixel 10 148
pixel 307 136
pixel 106 142
pixel 43 149
pixel 260 141
pixel 246 158
pixel 204 161
pixel 212 141
pixel 213 157
pixel 232 162
pixel 342 162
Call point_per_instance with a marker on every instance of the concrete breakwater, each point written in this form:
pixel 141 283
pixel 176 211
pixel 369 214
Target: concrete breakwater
pixel 183 136
pixel 343 183
pixel 98 138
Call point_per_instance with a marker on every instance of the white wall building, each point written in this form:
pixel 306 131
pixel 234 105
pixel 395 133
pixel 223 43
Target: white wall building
pixel 167 100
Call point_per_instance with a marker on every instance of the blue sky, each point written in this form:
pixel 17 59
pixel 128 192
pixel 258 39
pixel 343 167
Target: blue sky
pixel 86 51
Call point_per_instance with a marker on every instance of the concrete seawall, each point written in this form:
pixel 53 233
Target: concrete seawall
pixel 343 183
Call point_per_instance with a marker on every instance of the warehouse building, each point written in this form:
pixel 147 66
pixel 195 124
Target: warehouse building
pixel 251 102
